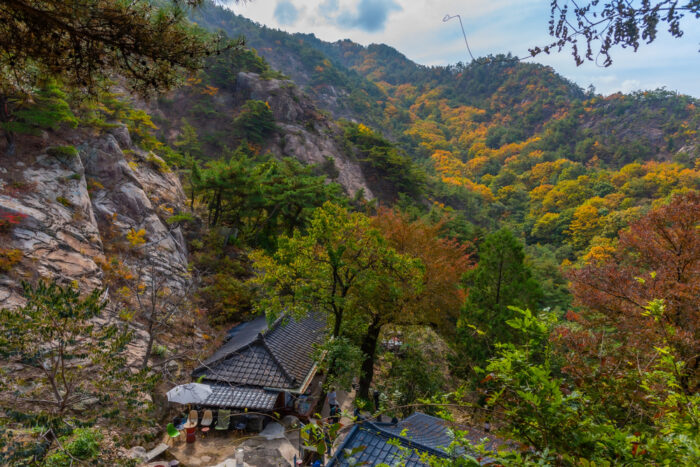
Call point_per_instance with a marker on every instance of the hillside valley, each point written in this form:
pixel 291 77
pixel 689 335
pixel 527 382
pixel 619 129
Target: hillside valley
pixel 486 248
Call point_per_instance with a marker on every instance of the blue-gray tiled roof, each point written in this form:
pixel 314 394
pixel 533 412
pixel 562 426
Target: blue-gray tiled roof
pixel 376 449
pixel 423 429
pixel 418 432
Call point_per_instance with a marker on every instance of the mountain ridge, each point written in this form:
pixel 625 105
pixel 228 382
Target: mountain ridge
pixel 498 137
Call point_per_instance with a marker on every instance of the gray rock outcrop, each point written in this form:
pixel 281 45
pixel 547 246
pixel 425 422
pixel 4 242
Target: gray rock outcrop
pixel 79 210
pixel 305 133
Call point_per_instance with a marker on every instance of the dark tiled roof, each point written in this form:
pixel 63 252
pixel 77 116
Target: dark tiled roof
pixel 225 396
pixel 279 357
pixel 418 432
pixel 423 429
pixel 376 448
pixel 253 365
pixel 291 343
pixel 238 337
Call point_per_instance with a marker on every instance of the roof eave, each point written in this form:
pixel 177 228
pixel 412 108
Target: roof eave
pixel 301 389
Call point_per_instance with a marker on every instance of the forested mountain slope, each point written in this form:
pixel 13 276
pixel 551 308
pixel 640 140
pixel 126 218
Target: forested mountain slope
pixel 500 139
pixel 487 242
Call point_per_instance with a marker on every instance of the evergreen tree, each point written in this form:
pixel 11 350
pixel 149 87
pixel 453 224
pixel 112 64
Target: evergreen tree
pixel 255 121
pixel 84 43
pixel 48 109
pixel 188 141
pixel 502 279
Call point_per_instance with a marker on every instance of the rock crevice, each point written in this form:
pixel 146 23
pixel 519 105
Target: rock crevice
pixel 78 207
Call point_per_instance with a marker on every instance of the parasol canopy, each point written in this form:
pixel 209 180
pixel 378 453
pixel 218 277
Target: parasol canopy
pixel 190 393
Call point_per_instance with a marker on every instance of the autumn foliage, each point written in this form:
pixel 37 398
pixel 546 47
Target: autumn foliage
pixel 445 261
pixel 9 220
pixel 658 257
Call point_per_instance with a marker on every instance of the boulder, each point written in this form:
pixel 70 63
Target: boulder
pixel 290 421
pixel 137 452
pixel 268 453
pixel 272 431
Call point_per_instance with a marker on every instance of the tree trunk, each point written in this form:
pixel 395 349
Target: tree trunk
pixel 336 325
pixel 10 148
pixel 369 349
pixel 149 349
pixel 5 118
pixel 217 209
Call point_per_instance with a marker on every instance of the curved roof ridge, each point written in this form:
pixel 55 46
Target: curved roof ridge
pixel 276 323
pixel 206 364
pixel 376 429
pixel 411 442
pixel 276 360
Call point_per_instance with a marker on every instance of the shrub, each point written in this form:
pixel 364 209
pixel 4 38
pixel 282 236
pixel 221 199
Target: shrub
pixel 157 163
pixel 83 445
pixel 160 350
pixel 64 201
pixel 8 220
pixel 228 298
pixel 8 259
pixel 94 185
pixel 181 217
pixel 255 121
pixel 62 151
pixel 136 237
pixel 19 188
pixel 48 109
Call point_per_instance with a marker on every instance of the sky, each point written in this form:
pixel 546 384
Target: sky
pixel 416 29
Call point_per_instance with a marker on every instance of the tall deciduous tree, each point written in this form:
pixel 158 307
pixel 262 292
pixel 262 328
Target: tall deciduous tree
pixel 334 267
pixel 341 266
pixel 658 257
pixel 435 303
pixel 500 280
pixel 57 335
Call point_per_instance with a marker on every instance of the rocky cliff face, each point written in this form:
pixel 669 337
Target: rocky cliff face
pixel 80 208
pixel 304 132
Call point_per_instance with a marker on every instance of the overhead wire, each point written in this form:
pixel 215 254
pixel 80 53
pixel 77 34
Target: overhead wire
pixel 448 17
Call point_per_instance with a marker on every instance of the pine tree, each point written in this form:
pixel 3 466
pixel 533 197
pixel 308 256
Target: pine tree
pixel 84 43
pixel 501 279
pixel 48 109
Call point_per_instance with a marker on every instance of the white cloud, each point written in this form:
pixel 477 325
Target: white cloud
pixel 415 28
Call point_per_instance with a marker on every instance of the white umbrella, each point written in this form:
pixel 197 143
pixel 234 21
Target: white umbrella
pixel 190 393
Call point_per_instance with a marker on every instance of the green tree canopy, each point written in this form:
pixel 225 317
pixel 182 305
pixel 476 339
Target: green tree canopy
pixel 335 267
pixel 260 197
pixel 501 279
pixel 81 41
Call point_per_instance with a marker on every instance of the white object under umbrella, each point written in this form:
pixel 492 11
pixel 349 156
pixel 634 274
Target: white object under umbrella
pixel 190 393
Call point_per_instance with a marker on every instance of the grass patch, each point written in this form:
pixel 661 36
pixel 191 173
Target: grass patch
pixel 62 151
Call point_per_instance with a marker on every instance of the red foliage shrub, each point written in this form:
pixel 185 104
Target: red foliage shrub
pixel 9 220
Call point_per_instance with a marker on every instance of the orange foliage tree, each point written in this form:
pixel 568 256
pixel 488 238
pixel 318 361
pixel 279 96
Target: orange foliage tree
pixel 437 303
pixel 618 338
